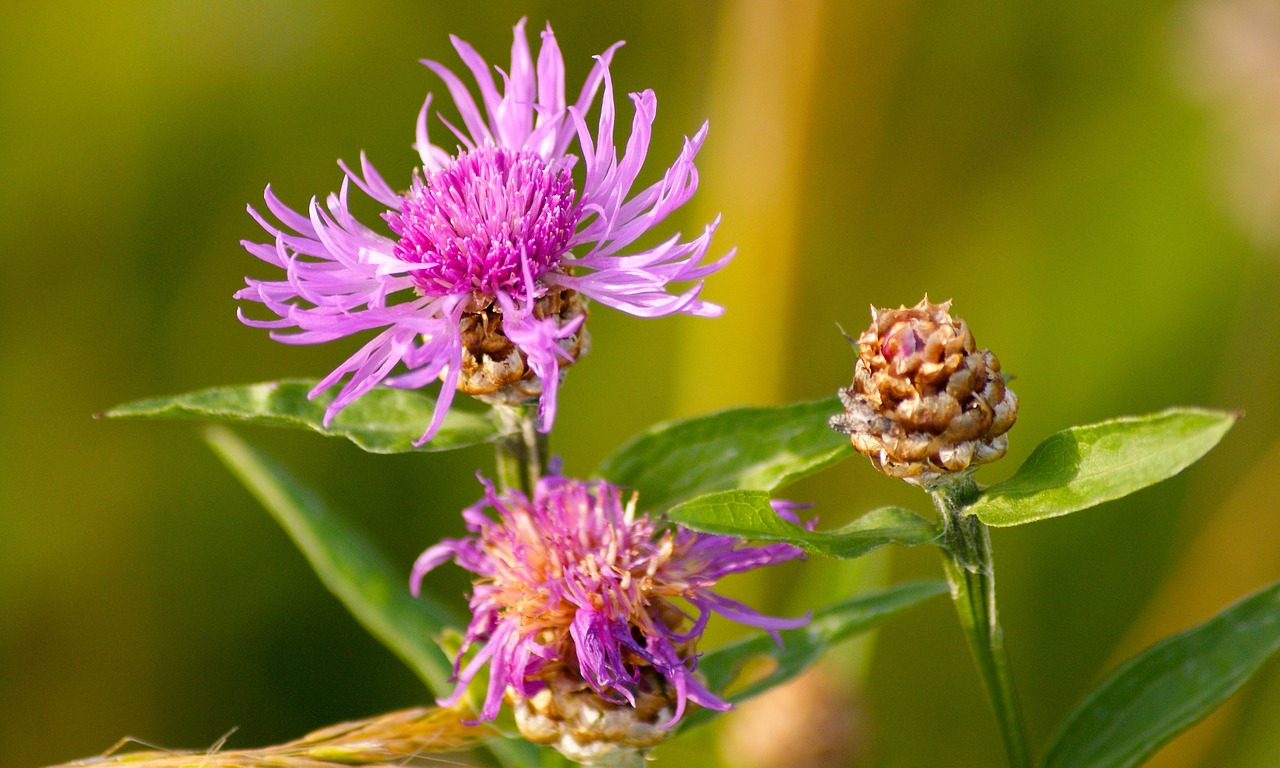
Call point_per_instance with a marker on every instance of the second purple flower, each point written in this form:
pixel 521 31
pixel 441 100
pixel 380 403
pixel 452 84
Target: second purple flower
pixel 482 277
pixel 588 613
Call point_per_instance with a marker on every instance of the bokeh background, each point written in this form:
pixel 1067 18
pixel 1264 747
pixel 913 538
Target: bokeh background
pixel 1095 184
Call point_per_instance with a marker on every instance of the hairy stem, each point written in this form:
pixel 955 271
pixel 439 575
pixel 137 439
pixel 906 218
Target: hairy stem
pixel 966 557
pixel 522 450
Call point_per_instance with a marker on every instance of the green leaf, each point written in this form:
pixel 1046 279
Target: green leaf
pixel 1168 687
pixel 757 449
pixel 1080 467
pixel 802 647
pixel 747 515
pixel 348 564
pixel 383 420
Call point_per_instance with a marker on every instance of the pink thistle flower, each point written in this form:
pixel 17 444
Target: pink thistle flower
pixel 481 280
pixel 576 591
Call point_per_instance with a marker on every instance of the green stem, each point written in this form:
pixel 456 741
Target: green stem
pixel 967 561
pixel 522 450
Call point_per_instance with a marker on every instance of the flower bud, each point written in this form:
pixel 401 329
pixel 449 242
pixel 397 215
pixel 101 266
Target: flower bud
pixel 925 402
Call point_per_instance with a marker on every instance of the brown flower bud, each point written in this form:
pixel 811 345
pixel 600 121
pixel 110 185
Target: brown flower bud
pixel 925 402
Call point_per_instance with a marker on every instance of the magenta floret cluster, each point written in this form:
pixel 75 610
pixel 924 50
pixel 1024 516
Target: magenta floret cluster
pixel 474 225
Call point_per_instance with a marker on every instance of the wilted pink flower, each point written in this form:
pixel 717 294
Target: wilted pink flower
pixel 575 586
pixel 480 280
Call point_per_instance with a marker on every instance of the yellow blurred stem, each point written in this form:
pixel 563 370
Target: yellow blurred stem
pixel 761 118
pixel 764 119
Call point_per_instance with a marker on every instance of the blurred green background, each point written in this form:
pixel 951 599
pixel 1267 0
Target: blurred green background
pixel 1095 184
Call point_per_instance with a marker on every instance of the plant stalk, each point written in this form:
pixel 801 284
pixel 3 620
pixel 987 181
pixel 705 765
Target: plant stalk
pixel 522 450
pixel 966 558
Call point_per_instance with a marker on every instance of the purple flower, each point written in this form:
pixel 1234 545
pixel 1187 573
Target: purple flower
pixel 574 585
pixel 481 279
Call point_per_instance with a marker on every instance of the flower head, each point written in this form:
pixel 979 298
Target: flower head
pixel 925 402
pixel 576 594
pixel 481 276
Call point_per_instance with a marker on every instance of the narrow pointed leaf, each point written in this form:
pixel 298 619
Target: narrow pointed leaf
pixel 747 515
pixel 1081 467
pixel 802 647
pixel 1168 687
pixel 349 565
pixel 742 448
pixel 383 420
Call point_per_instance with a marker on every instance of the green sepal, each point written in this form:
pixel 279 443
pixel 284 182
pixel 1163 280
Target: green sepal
pixel 383 420
pixel 1169 687
pixel 748 515
pixel 1084 466
pixel 741 448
